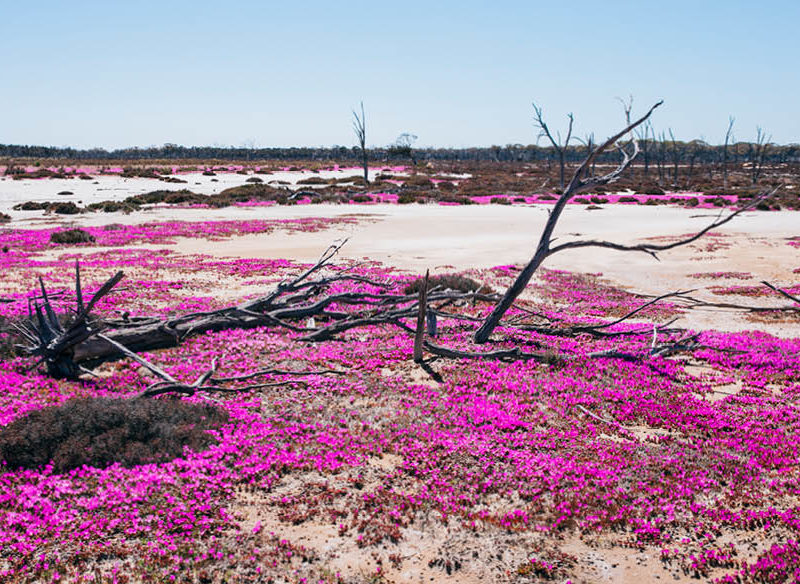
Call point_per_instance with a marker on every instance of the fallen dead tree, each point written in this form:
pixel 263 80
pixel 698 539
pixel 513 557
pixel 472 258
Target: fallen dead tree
pixel 302 305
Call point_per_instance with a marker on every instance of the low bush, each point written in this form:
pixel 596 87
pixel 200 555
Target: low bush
pixel 362 199
pixel 67 208
pixel 651 190
pixel 31 206
pixel 5 218
pixel 447 282
pixel 71 236
pixel 692 202
pixel 416 181
pixel 312 180
pixel 628 199
pixel 500 201
pixel 598 200
pixel 99 432
pixel 139 173
pixel 254 179
pixel 446 186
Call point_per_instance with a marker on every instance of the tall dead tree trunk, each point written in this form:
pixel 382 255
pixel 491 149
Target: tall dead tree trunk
pixel 757 154
pixel 360 129
pixel 728 138
pixel 677 151
pixel 559 146
pixel 577 184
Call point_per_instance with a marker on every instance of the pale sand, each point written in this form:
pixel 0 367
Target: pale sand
pixel 117 188
pixel 417 237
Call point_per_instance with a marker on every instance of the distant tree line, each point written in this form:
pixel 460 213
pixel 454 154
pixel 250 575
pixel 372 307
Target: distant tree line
pixel 663 154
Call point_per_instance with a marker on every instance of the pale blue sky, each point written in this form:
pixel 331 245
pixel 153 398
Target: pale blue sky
pixel 110 74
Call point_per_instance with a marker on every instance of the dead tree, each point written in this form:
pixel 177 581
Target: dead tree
pixel 757 152
pixel 559 146
pixel 360 129
pixel 677 150
pixel 577 184
pixel 728 138
pixel 644 135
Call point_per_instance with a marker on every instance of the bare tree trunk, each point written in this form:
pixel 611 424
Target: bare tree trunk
pixel 757 154
pixel 558 146
pixel 728 137
pixel 360 129
pixel 576 185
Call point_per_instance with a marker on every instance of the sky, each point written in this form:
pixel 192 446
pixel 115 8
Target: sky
pixel 456 74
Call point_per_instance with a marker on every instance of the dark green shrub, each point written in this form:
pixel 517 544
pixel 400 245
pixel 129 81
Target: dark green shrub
pixel 406 198
pixel 65 193
pixel 362 198
pixel 102 431
pixel 71 236
pixel 5 218
pixel 598 200
pixel 182 197
pixel 652 190
pixel 447 282
pixel 31 206
pixel 499 201
pixel 68 208
pixel 582 200
pixel 312 180
pixel 628 199
pixel 416 181
pixel 693 202
pixel 254 179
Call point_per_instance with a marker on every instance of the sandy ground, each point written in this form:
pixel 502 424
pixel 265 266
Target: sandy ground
pixel 442 238
pixel 117 188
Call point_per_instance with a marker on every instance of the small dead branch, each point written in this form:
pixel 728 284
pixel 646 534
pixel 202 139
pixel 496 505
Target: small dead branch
pixel 784 293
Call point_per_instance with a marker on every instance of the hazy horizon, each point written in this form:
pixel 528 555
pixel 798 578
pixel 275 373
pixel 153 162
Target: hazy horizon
pixel 458 75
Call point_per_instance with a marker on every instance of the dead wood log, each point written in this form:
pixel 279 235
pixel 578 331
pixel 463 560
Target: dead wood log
pixel 86 342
